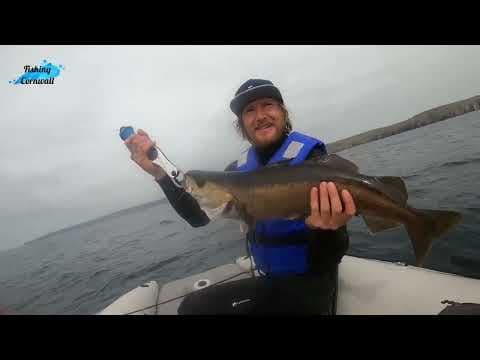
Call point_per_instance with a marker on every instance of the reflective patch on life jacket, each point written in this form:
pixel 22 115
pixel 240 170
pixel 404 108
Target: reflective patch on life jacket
pixel 242 160
pixel 292 150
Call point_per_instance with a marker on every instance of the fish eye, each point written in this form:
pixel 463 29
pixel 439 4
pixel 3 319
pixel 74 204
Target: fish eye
pixel 194 179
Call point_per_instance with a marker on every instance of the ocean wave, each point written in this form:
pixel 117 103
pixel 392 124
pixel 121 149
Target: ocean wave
pixel 66 276
pixel 166 222
pixel 115 279
pixel 448 164
pixel 418 192
pixel 97 273
pixel 86 295
pixel 28 302
pixel 411 176
pixel 169 235
pixel 158 265
pixel 64 283
pixel 461 162
pixel 153 267
pixel 131 241
pixel 464 261
pixel 43 269
pixel 99 259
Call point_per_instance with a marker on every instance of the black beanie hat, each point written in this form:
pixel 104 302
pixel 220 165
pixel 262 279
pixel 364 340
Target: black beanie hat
pixel 251 90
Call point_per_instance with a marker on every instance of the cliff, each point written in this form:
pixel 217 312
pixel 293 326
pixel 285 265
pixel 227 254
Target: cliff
pixel 425 118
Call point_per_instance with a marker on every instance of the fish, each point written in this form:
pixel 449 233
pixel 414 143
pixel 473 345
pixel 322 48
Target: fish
pixel 282 191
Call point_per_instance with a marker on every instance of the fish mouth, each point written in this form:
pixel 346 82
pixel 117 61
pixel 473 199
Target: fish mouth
pixel 213 213
pixel 212 199
pixel 224 210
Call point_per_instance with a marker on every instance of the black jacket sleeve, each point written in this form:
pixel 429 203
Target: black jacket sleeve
pixel 327 248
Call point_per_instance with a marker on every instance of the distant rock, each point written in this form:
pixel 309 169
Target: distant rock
pixel 425 118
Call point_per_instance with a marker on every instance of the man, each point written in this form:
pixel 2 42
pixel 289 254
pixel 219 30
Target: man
pixel 298 259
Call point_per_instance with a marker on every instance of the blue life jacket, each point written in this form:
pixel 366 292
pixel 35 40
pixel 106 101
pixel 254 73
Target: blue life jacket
pixel 270 255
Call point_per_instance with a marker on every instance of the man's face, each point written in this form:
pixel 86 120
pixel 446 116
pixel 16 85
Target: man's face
pixel 264 121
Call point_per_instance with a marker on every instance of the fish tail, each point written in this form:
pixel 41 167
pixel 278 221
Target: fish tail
pixel 425 225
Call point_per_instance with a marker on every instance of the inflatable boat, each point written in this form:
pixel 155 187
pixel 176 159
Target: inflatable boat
pixel 365 287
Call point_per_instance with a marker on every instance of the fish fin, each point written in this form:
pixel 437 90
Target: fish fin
pixel 335 161
pixel 395 188
pixel 427 225
pixel 249 222
pixel 230 209
pixel 376 224
pixel 243 228
pixel 279 163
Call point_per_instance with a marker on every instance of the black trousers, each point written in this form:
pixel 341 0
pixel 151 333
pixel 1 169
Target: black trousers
pixel 296 295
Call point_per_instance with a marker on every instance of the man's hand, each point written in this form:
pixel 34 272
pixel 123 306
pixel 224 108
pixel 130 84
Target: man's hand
pixel 327 212
pixel 139 144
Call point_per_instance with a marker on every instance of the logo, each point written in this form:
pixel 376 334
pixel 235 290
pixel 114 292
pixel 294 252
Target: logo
pixel 43 74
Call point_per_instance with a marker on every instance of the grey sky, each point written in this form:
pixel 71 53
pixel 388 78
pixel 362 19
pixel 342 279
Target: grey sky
pixel 63 163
